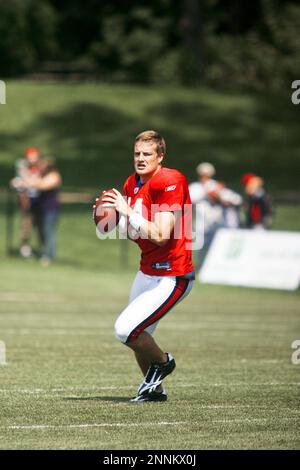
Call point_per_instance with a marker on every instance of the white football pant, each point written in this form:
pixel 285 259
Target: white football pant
pixel 151 297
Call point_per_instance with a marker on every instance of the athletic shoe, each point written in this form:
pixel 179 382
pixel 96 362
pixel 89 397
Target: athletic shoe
pixel 153 396
pixel 155 375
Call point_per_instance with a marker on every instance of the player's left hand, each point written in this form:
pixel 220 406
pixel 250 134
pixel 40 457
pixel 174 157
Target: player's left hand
pixel 117 201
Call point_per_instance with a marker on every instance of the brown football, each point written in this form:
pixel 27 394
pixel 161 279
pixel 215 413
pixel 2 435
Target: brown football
pixel 105 218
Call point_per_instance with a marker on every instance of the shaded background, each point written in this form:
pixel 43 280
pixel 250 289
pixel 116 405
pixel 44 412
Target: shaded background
pixel 213 77
pixel 248 44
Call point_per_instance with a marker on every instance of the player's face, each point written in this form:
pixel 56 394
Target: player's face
pixel 146 159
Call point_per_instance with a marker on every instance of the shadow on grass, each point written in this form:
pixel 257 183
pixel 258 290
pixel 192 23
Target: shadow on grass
pixel 262 137
pixel 93 142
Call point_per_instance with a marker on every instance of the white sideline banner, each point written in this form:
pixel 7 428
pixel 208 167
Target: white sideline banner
pixel 253 258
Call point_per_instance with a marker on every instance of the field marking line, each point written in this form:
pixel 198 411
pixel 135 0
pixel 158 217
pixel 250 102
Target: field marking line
pixel 105 331
pixel 94 425
pixel 133 425
pixel 254 420
pixel 220 328
pixel 94 388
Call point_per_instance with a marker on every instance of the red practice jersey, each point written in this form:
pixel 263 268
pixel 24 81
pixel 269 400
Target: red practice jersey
pixel 167 190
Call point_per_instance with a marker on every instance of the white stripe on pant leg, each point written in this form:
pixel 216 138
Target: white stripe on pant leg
pixel 157 291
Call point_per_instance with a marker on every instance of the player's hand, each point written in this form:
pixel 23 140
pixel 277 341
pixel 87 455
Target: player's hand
pixel 117 201
pixel 96 200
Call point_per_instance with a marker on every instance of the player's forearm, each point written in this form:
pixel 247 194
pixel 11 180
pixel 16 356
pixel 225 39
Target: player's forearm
pixel 153 232
pixel 156 232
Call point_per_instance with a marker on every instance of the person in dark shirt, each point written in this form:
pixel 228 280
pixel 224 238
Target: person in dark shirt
pixel 258 205
pixel 48 183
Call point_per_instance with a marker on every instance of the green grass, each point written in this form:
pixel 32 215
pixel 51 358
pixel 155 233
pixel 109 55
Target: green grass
pixel 90 129
pixel 234 387
pixel 286 217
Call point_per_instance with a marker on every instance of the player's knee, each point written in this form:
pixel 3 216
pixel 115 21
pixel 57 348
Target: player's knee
pixel 121 331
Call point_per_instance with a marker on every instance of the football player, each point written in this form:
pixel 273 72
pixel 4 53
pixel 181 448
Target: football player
pixel 157 207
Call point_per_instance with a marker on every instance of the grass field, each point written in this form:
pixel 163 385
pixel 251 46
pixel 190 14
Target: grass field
pixel 90 129
pixel 67 380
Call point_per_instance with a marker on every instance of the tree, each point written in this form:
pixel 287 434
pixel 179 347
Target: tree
pixel 193 36
pixel 27 31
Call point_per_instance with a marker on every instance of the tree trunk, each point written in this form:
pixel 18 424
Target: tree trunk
pixel 192 27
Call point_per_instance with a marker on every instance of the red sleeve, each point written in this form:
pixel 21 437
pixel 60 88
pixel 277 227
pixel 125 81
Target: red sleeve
pixel 125 185
pixel 170 197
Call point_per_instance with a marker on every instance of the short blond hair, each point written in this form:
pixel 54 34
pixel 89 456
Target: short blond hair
pixel 153 136
pixel 206 168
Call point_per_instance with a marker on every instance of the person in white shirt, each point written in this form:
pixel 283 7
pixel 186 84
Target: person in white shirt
pixel 28 199
pixel 215 206
pixel 231 203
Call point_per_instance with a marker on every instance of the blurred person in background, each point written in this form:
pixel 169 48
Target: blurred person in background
pixel 28 197
pixel 259 210
pixel 215 207
pixel 231 203
pixel 48 183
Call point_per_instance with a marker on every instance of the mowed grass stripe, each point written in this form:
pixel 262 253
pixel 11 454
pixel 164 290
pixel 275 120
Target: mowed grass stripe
pixel 65 367
pixel 142 424
pixel 128 387
pixel 95 425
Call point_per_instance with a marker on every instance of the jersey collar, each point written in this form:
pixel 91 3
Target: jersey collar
pixel 138 181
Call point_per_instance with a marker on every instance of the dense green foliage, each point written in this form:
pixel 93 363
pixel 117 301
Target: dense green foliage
pixel 27 32
pixel 227 43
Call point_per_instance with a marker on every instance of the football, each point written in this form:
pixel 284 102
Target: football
pixel 105 218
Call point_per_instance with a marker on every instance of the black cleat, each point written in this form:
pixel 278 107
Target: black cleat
pixel 155 375
pixel 153 396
